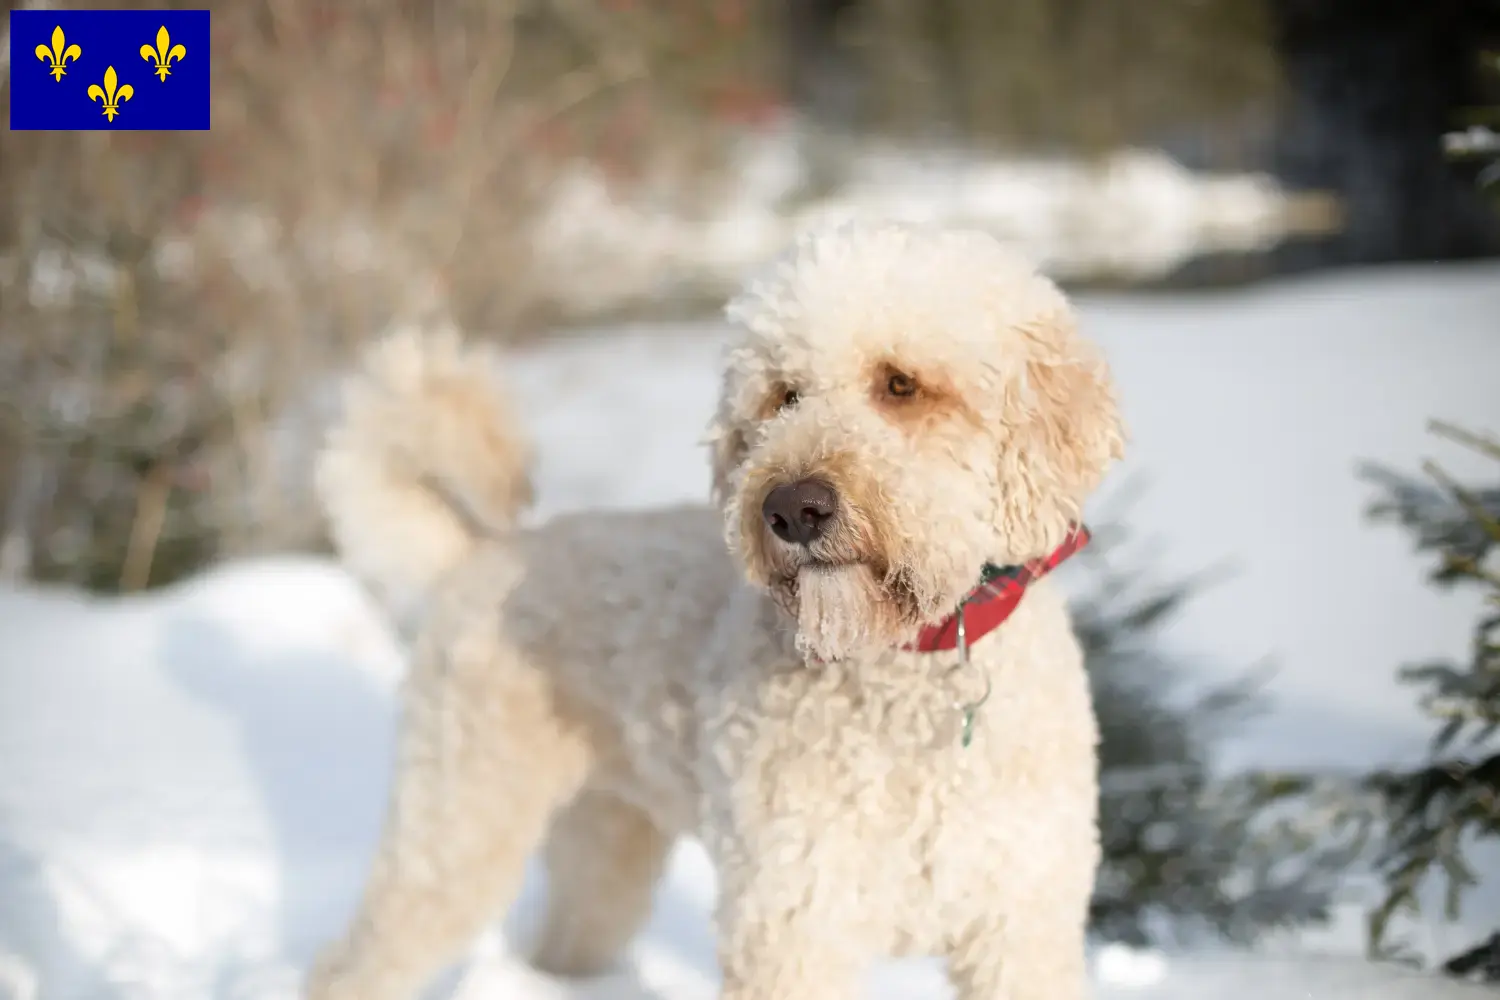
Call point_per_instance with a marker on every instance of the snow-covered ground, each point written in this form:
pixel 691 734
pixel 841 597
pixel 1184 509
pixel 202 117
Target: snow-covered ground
pixel 191 781
pixel 1134 214
pixel 597 248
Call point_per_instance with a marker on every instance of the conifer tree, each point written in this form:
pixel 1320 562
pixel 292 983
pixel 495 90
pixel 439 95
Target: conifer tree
pixel 1431 815
pixel 1186 849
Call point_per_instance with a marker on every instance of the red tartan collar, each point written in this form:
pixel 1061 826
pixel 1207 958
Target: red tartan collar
pixel 994 598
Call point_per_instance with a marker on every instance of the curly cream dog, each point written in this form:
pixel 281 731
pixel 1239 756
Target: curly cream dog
pixel 904 408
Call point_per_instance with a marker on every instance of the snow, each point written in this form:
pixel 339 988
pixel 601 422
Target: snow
pixel 1133 214
pixel 191 781
pixel 597 248
pixel 158 797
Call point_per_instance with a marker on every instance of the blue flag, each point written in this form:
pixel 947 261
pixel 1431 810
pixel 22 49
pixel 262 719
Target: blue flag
pixel 74 70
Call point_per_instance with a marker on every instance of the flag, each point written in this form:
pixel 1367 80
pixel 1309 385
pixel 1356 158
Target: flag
pixel 74 70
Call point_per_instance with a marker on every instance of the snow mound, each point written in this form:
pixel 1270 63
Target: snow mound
pixel 1134 214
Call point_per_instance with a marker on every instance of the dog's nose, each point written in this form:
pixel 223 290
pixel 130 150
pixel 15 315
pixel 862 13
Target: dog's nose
pixel 800 512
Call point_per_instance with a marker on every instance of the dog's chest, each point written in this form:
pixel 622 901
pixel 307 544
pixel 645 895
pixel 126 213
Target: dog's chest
pixel 858 785
pixel 851 784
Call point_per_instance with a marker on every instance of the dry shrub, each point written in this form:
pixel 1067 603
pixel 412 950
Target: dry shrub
pixel 171 303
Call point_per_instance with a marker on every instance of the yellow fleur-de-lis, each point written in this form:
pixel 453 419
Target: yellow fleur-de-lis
pixel 110 94
pixel 59 55
pixel 164 54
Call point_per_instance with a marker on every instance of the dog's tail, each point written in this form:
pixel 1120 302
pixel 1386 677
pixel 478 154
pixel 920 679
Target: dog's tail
pixel 425 462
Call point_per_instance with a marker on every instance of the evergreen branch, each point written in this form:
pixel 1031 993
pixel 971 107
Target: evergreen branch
pixel 1465 498
pixel 1429 814
pixel 1483 958
pixel 1482 443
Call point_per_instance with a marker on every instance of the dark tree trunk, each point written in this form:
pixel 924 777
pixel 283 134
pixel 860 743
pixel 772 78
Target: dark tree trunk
pixel 1371 87
pixel 822 77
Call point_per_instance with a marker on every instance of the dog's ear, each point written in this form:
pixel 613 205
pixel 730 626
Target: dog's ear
pixel 1064 431
pixel 726 442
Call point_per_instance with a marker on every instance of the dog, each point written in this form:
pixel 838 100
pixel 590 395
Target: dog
pixel 847 675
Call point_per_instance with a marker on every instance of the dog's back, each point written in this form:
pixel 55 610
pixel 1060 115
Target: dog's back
pixel 421 481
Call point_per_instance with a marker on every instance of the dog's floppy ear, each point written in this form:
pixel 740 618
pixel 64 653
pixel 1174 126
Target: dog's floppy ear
pixel 726 441
pixel 1065 430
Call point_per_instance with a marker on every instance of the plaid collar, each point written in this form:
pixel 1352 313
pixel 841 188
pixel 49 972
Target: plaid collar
pixel 994 598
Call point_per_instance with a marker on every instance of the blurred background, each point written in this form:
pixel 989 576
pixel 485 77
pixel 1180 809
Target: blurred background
pixel 1281 218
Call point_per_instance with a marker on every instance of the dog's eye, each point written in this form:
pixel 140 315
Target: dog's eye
pixel 790 398
pixel 900 385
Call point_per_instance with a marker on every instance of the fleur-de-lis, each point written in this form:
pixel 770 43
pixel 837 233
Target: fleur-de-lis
pixel 59 55
pixel 110 94
pixel 164 54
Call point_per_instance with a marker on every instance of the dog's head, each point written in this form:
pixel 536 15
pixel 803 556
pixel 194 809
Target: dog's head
pixel 903 406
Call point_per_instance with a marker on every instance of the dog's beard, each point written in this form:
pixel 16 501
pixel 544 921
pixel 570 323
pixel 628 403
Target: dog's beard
pixel 842 611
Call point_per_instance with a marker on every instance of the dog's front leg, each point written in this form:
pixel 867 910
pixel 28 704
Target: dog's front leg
pixel 776 944
pixel 1036 955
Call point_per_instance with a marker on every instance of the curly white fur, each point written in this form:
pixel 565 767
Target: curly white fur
pixel 610 681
